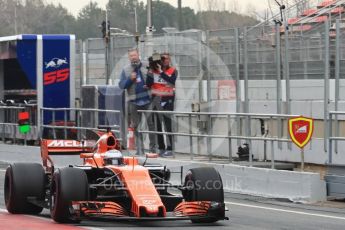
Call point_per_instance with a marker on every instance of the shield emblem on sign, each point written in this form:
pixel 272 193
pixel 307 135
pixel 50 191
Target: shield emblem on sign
pixel 301 130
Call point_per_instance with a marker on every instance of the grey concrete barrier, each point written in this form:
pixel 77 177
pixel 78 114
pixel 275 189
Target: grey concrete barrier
pixel 296 186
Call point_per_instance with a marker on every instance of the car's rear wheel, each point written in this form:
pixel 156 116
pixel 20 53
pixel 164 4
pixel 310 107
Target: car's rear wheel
pixel 24 180
pixel 204 184
pixel 68 184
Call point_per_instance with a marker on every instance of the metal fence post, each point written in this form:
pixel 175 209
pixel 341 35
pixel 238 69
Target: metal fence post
pixel 330 156
pixel 246 89
pixel 287 76
pixel 279 94
pixel 87 75
pixel 77 122
pixel 190 137
pixel 111 58
pixel 209 149
pixel 272 155
pixel 15 134
pixel 248 134
pixel 96 118
pixel 65 120
pixel 245 68
pixel 156 118
pixel 173 128
pixel 229 139
pixel 53 117
pixel 326 85
pixel 40 122
pixel 238 83
pixel 26 134
pixel 209 139
pixel 141 148
pixel 3 132
pixel 267 130
pixel 337 85
pixel 208 72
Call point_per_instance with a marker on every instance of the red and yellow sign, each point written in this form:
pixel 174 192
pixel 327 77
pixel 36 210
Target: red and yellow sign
pixel 301 130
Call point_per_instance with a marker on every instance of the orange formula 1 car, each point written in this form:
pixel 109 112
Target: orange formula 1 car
pixel 110 185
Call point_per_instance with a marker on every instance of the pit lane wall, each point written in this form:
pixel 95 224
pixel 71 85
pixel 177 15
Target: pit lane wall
pixel 295 186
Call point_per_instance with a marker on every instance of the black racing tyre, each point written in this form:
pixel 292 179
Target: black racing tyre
pixel 203 184
pixel 68 184
pixel 23 180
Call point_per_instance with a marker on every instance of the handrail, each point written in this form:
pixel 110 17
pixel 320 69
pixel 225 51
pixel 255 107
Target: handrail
pixel 219 136
pixel 13 107
pixel 337 112
pixel 80 127
pixel 80 109
pixel 221 114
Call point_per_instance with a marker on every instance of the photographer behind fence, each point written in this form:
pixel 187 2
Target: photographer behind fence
pixel 133 78
pixel 161 79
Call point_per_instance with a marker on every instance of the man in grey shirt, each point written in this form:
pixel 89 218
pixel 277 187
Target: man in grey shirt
pixel 133 79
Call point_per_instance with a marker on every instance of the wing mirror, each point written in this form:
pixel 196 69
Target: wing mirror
pixel 86 155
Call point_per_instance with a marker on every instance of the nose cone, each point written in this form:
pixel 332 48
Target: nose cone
pixel 150 206
pixel 152 211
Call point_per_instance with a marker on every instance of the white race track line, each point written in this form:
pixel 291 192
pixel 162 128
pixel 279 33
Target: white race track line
pixel 286 211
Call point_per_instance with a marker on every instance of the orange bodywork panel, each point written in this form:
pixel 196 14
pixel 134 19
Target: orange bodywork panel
pixel 95 161
pixel 138 183
pixel 99 208
pixel 192 208
pixel 130 161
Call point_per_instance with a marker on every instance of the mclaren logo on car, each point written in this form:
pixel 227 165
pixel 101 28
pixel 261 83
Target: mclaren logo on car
pixel 64 143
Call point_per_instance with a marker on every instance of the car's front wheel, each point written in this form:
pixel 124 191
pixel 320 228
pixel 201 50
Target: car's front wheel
pixel 205 184
pixel 68 184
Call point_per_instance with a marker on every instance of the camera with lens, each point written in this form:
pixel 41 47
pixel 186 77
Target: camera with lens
pixel 154 61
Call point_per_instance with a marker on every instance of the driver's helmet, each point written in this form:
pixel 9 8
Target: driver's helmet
pixel 113 157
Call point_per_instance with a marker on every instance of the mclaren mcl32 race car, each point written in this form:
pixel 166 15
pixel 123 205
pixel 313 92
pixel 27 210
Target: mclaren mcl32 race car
pixel 110 185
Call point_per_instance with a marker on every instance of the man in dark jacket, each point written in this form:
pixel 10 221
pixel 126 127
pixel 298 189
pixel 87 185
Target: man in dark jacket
pixel 162 83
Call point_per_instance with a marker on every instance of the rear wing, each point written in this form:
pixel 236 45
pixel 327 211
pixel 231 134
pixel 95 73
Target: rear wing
pixel 66 147
pixel 63 147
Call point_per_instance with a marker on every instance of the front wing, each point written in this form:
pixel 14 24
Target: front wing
pixel 183 211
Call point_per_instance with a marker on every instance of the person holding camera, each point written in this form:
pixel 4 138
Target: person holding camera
pixel 133 79
pixel 161 79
